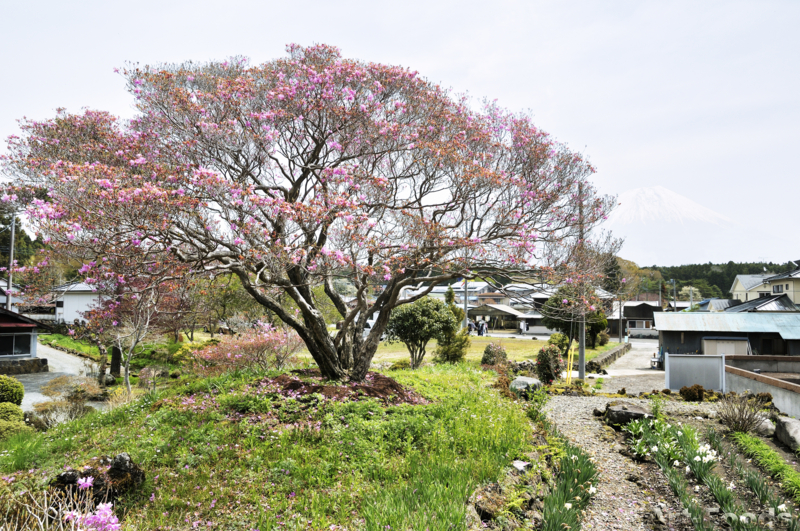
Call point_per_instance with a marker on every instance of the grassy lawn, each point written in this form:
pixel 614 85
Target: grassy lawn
pixel 233 454
pixel 517 350
pixel 63 341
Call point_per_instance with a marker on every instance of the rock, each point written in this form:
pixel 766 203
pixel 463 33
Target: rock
pixel 524 383
pixel 520 465
pixel 787 430
pixel 597 413
pixel 124 473
pixel 593 366
pixel 109 379
pixel 659 515
pixel 713 510
pixel 622 413
pixel 766 428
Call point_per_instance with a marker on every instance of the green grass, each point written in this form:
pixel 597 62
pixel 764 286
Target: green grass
pixel 354 464
pixel 516 349
pixel 63 341
pixel 769 460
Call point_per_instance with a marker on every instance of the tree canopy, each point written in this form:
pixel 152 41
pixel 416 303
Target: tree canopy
pixel 297 172
pixel 416 324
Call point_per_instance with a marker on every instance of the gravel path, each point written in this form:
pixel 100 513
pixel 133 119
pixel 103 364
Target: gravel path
pixel 620 502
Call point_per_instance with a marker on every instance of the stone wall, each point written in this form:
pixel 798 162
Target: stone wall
pixel 24 366
pixel 608 357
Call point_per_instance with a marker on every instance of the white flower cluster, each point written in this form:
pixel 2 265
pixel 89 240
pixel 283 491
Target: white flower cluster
pixel 706 454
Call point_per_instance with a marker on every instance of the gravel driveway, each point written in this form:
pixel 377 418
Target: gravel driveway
pixel 60 364
pixel 621 502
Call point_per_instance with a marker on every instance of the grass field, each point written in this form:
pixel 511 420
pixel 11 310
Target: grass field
pixel 231 454
pixel 517 349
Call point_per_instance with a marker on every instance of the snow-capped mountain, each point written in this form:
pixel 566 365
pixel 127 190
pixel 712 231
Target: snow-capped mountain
pixel 658 205
pixel 661 227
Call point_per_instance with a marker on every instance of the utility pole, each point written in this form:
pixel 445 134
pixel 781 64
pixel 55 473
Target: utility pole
pixel 691 297
pixel 10 261
pixel 466 317
pixel 582 331
pixel 660 304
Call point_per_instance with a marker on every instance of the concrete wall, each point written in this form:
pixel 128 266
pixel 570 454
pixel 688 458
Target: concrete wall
pixel 785 395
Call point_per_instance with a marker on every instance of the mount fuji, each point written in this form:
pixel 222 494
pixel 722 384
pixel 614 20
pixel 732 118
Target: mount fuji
pixel 661 227
pixel 660 205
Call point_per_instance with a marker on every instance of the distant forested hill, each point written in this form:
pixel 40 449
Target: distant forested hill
pixel 719 275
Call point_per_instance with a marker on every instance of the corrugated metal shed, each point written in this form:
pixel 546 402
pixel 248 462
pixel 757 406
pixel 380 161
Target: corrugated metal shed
pixel 774 303
pixel 785 324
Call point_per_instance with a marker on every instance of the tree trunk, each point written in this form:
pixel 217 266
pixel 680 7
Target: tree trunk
pixel 128 375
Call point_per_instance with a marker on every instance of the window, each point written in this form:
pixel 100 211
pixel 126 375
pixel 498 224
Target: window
pixel 763 294
pixel 681 338
pixel 15 344
pixel 777 289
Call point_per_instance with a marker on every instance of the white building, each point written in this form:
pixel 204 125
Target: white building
pixel 72 300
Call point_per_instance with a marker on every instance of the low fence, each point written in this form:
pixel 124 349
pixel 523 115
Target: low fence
pixel 686 370
pixel 765 363
pixel 785 395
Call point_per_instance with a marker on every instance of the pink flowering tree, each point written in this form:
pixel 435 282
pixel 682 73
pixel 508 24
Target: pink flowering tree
pixel 307 168
pixel 264 346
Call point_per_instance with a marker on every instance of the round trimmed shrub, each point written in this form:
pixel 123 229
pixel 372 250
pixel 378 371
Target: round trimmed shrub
pixel 11 412
pixel 603 338
pixel 9 429
pixel 549 364
pixel 11 390
pixel 494 354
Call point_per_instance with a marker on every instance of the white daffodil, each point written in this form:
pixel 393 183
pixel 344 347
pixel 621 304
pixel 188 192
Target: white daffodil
pixel 697 488
pixel 782 507
pixel 697 458
pixel 688 469
pixel 654 449
pixel 592 490
pixel 568 505
pixel 676 464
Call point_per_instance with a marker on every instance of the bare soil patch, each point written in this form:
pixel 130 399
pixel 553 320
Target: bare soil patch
pixel 375 385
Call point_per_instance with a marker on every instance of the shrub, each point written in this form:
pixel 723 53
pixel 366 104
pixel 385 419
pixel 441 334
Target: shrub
pixel 264 347
pixel 559 340
pixel 694 393
pixel 11 390
pixel 400 365
pixel 11 412
pixel 57 411
pixel 494 354
pixel 9 428
pixel 766 398
pixel 549 364
pixel 666 392
pixel 452 348
pixel 603 338
pixel 741 413
pixel 73 388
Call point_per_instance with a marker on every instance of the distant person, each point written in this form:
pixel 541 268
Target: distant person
pixel 484 328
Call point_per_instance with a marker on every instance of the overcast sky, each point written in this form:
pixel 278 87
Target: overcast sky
pixel 702 98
